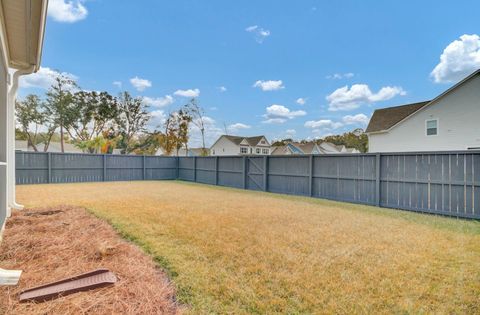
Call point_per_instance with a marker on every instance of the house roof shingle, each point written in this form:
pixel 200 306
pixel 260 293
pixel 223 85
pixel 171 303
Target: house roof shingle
pixel 253 141
pixel 385 118
pixel 307 148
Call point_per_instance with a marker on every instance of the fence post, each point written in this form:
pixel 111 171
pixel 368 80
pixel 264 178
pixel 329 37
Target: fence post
pixel 244 172
pixel 194 168
pixel 216 170
pixel 310 177
pixel 144 168
pixel 49 167
pixel 177 167
pixel 104 167
pixel 265 173
pixel 377 179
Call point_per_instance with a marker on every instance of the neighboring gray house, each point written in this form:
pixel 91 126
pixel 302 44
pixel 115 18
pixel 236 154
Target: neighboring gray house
pixel 22 145
pixel 311 148
pixel 234 145
pixel 448 122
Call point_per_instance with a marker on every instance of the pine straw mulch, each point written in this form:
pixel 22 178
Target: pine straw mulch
pixel 52 244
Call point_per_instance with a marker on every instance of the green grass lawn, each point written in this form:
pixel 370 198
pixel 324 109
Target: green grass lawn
pixel 235 251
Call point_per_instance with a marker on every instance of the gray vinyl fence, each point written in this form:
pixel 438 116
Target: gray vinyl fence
pixel 446 183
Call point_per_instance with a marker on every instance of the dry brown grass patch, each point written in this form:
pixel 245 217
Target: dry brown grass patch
pixel 52 244
pixel 241 252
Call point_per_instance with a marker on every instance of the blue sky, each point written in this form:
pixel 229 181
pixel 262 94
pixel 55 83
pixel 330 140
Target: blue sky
pixel 302 69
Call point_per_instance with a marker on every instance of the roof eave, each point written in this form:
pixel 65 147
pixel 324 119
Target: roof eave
pixel 41 38
pixel 35 31
pixel 376 131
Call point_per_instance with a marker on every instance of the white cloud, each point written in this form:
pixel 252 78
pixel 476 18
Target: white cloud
pixel 346 98
pixel 323 124
pixel 355 119
pixel 212 132
pixel 43 78
pixel 270 85
pixel 68 11
pixel 278 114
pixel 338 76
pixel 274 121
pixel 157 119
pixel 140 84
pixel 118 84
pixel 290 132
pixel 301 101
pixel 222 89
pixel 158 101
pixel 320 134
pixel 238 126
pixel 191 93
pixel 260 33
pixel 459 59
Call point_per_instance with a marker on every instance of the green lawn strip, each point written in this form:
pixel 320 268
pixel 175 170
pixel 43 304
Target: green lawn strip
pixel 185 294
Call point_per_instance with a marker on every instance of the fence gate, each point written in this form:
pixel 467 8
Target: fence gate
pixel 256 179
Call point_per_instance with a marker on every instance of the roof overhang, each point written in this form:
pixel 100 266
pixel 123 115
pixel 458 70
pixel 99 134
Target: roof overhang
pixel 22 31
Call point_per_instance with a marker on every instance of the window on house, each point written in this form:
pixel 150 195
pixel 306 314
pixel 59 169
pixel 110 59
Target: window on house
pixel 213 152
pixel 262 142
pixel 432 127
pixel 265 151
pixel 243 150
pixel 251 150
pixel 257 150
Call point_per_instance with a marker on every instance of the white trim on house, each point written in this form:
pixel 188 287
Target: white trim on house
pixel 22 28
pixel 437 127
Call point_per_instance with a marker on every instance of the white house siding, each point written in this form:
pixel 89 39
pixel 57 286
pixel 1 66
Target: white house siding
pixel 458 115
pixel 224 147
pixel 3 139
pixel 261 148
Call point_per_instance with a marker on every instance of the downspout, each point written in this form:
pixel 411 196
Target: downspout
pixel 12 95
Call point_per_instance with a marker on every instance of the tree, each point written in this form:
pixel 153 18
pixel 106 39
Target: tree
pixel 20 135
pixel 176 131
pixel 168 139
pixel 93 112
pixel 149 143
pixel 355 139
pixel 30 118
pixel 60 106
pixel 94 145
pixel 131 120
pixel 282 142
pixel 198 119
pixel 183 135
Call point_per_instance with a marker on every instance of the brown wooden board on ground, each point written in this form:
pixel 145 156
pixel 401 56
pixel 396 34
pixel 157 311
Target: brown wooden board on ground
pixel 86 281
